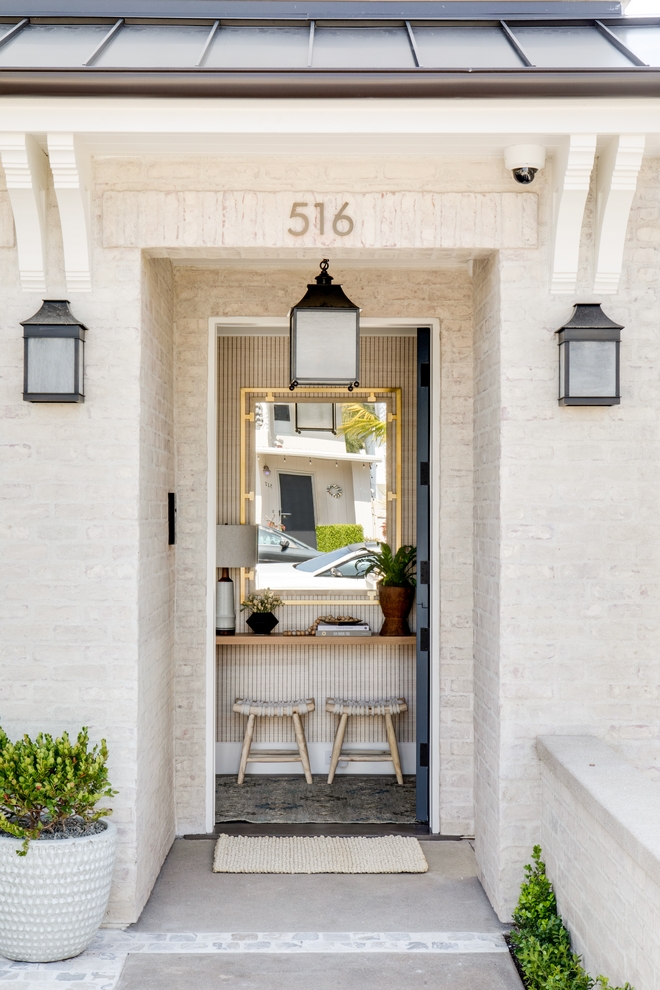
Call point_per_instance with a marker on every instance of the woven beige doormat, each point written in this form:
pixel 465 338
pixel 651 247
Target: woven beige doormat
pixel 318 854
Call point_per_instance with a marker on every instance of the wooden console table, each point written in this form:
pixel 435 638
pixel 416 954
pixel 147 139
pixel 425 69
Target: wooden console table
pixel 278 639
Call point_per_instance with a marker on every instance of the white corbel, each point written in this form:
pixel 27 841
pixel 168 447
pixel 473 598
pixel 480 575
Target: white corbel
pixel 573 170
pixel 26 170
pixel 618 168
pixel 71 181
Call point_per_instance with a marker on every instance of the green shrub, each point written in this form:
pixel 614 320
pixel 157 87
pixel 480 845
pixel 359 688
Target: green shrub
pixel 540 941
pixel 45 781
pixel 341 535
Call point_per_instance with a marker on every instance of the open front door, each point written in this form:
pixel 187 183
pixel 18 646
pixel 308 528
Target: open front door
pixel 423 570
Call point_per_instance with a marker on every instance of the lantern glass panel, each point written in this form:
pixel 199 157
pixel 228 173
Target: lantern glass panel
pixel 81 368
pixel 592 368
pixel 51 365
pixel 325 345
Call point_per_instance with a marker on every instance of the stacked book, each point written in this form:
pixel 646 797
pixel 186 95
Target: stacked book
pixel 343 629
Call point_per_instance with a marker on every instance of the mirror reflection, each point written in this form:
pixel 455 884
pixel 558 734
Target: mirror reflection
pixel 320 493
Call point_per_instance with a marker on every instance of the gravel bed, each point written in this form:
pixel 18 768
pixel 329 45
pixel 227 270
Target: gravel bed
pixel 72 828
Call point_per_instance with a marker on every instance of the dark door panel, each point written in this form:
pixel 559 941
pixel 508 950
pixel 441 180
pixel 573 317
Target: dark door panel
pixel 297 504
pixel 423 569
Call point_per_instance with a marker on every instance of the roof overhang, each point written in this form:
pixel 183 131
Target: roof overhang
pixel 527 83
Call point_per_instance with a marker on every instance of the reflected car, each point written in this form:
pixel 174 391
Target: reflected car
pixel 340 570
pixel 347 562
pixel 277 547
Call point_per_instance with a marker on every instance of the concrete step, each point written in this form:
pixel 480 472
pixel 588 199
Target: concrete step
pixel 268 971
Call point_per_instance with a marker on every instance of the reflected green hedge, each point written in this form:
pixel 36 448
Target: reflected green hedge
pixel 334 537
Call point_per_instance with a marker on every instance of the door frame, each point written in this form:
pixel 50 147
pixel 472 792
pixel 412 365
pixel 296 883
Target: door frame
pixel 279 326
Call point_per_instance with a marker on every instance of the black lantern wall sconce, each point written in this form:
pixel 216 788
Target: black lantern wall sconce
pixel 53 369
pixel 325 336
pixel 589 358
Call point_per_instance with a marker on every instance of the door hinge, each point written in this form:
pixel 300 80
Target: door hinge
pixel 424 639
pixel 423 754
pixel 423 472
pixel 423 572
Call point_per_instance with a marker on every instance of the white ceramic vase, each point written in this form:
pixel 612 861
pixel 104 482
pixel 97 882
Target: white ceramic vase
pixel 53 900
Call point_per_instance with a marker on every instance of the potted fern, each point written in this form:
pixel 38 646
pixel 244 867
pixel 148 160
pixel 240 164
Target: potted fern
pixel 396 586
pixel 57 850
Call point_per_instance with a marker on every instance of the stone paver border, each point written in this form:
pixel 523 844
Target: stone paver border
pixel 99 967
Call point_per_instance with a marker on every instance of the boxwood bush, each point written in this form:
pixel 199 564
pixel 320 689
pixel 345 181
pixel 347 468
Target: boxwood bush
pixel 334 537
pixel 45 781
pixel 540 942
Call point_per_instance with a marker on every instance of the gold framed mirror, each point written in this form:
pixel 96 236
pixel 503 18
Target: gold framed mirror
pixel 321 476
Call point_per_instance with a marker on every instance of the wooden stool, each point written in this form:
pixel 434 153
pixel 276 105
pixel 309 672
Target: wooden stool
pixel 276 709
pixel 387 707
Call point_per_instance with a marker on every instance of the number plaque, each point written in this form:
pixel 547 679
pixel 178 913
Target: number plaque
pixel 342 223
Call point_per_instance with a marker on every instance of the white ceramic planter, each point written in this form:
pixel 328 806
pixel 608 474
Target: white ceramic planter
pixel 52 901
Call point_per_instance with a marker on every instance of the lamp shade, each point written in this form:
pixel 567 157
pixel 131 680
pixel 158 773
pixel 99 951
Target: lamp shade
pixel 53 354
pixel 589 358
pixel 236 546
pixel 325 336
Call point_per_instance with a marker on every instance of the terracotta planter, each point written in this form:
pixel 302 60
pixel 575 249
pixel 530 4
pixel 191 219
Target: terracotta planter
pixel 262 623
pixel 396 604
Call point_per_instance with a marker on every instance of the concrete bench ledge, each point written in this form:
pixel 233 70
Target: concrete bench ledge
pixel 620 798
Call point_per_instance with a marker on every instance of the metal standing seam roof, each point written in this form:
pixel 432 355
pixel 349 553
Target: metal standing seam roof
pixel 242 48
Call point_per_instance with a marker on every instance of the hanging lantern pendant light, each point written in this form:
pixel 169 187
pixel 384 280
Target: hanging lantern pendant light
pixel 325 336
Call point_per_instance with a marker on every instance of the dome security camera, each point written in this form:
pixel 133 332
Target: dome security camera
pixel 524 160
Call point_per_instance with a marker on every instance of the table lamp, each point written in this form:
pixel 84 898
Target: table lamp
pixel 236 546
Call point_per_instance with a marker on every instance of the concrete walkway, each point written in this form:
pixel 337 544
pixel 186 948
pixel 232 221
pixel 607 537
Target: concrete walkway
pixel 344 932
pixel 189 897
pixel 202 930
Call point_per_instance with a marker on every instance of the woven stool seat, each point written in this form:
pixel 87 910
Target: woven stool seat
pixel 347 707
pixel 382 706
pixel 274 709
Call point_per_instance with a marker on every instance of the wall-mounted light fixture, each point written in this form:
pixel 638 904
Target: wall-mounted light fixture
pixel 316 417
pixel 589 358
pixel 325 336
pixel 54 354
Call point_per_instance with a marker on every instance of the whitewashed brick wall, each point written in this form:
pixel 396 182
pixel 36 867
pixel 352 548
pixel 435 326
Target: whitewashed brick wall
pixel 232 291
pixel 599 834
pixel 565 526
pixel 156 570
pixel 85 582
pixel 579 553
pixel 486 568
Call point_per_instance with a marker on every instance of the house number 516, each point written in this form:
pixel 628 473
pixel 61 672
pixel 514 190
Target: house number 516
pixel 342 224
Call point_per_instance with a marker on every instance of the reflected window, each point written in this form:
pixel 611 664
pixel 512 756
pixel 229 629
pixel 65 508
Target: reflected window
pixel 354 568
